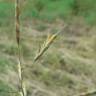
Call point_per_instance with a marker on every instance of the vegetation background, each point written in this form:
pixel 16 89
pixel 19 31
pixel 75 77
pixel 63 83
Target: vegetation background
pixel 68 68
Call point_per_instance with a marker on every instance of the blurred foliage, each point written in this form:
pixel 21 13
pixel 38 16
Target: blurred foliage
pixel 5 89
pixel 51 9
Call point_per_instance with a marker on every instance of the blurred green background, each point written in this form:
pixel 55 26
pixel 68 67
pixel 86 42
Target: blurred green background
pixel 50 9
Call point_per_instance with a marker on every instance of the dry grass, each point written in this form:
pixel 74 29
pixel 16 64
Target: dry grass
pixel 68 68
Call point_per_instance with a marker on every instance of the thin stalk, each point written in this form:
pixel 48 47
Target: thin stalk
pixel 22 90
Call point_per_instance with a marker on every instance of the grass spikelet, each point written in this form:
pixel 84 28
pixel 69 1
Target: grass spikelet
pixel 50 39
